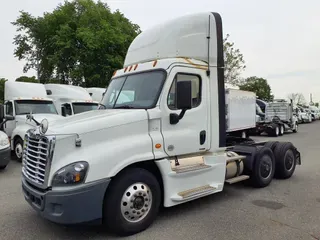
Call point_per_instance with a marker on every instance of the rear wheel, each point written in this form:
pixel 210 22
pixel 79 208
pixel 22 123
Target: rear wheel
pixel 285 160
pixel 132 202
pixel 281 130
pixel 264 168
pixel 295 127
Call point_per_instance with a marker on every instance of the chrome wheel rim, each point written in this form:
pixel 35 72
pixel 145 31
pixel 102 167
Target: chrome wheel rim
pixel 281 130
pixel 18 150
pixel 265 167
pixel 277 131
pixel 136 202
pixel 289 160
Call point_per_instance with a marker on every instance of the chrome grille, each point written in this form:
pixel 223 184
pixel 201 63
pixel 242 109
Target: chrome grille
pixel 36 155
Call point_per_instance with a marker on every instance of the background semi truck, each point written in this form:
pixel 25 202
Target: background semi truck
pixel 21 99
pixel 69 99
pixel 166 145
pixel 96 93
pixel 279 117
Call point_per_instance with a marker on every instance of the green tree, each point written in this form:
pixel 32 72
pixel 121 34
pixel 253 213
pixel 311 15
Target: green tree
pixel 27 79
pixel 81 42
pixel 316 104
pixel 234 63
pixel 259 86
pixel 2 81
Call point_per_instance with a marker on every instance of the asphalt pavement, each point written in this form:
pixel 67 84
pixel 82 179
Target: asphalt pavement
pixel 287 209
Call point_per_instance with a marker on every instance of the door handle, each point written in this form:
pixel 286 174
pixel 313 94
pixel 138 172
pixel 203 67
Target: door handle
pixel 202 137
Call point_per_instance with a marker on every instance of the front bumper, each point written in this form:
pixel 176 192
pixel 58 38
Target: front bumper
pixel 73 206
pixel 5 155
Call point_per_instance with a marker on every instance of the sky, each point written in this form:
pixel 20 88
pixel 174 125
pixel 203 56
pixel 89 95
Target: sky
pixel 280 40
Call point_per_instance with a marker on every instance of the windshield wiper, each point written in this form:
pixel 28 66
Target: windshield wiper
pixel 124 107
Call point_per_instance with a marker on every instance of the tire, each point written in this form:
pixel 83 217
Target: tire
pixel 121 194
pixel 295 128
pixel 285 160
pixel 274 132
pixel 271 145
pixel 281 132
pixel 263 168
pixel 18 146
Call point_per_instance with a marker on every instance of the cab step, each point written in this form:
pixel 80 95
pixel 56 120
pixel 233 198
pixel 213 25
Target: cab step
pixel 237 179
pixel 190 168
pixel 195 192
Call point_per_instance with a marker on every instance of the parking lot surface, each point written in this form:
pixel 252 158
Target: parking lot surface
pixel 287 209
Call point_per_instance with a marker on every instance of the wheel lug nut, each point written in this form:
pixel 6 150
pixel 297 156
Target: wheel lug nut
pixel 142 210
pixel 134 211
pixel 144 194
pixel 138 213
pixel 131 207
pixel 146 199
pixel 140 193
pixel 146 205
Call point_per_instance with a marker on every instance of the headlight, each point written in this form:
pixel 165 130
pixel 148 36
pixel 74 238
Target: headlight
pixel 4 141
pixel 71 174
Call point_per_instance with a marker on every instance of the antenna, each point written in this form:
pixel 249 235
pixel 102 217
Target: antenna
pixel 208 37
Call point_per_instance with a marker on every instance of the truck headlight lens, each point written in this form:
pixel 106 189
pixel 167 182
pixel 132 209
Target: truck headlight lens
pixel 71 174
pixel 4 141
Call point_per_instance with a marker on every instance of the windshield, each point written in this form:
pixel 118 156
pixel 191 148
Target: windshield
pixel 83 107
pixel 24 107
pixel 140 91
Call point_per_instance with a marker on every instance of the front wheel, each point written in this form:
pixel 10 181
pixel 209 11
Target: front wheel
pixel 132 202
pixel 18 149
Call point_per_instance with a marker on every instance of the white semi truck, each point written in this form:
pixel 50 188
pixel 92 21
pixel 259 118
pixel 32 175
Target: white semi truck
pixel 21 99
pixel 96 93
pixel 166 146
pixel 69 99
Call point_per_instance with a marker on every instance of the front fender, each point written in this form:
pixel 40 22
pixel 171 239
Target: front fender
pixel 107 151
pixel 19 131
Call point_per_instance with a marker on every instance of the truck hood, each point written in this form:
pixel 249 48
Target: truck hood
pixel 96 120
pixel 38 117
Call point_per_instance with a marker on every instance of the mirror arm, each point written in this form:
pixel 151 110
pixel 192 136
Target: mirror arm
pixel 175 118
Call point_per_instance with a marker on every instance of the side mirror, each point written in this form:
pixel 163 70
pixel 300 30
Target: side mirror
pixel 9 117
pixel 184 95
pixel 63 111
pixel 184 100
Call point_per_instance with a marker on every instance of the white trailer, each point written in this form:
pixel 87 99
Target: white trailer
pixel 164 146
pixel 69 99
pixel 96 93
pixel 21 99
pixel 241 112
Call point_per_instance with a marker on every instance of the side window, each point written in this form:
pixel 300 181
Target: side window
pixel 9 108
pixel 196 90
pixel 68 108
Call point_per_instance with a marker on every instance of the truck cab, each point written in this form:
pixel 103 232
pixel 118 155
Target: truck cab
pixel 165 144
pixel 21 99
pixel 70 100
pixel 96 93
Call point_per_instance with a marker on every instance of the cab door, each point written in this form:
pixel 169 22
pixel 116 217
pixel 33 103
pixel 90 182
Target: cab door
pixel 191 134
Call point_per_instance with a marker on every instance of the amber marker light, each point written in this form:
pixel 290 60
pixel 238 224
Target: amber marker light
pixel 158 145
